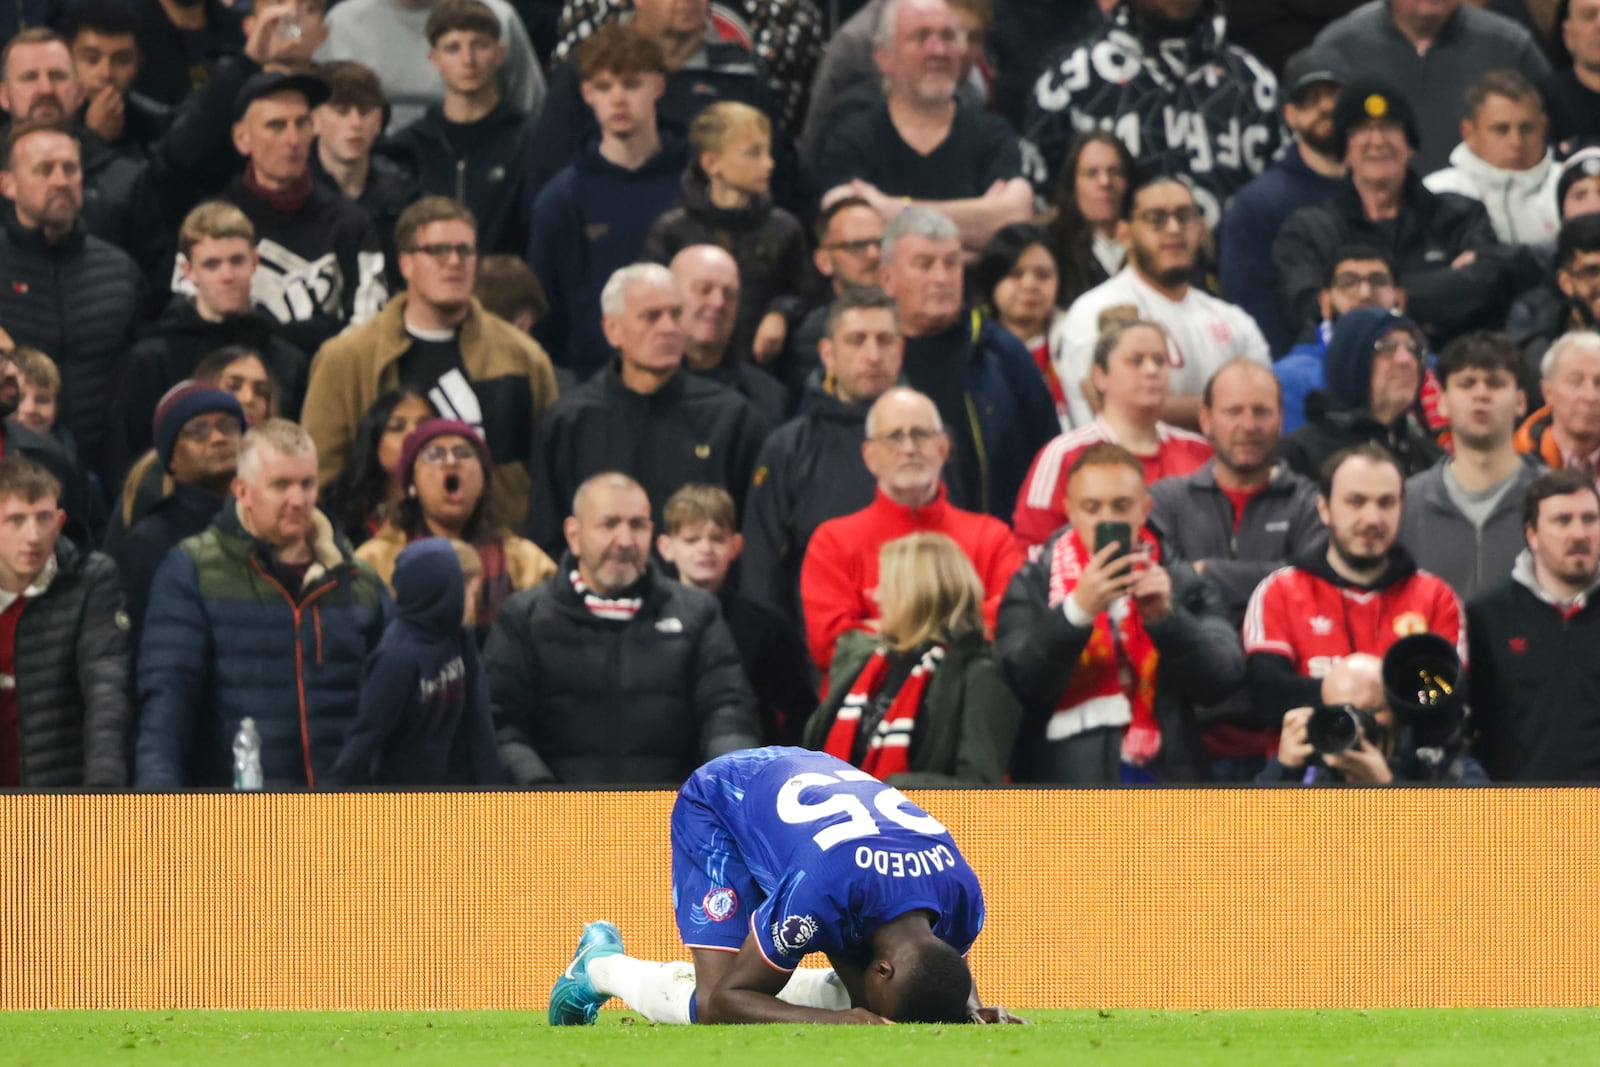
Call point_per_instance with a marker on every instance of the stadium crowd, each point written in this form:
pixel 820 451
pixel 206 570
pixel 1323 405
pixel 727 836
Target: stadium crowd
pixel 421 393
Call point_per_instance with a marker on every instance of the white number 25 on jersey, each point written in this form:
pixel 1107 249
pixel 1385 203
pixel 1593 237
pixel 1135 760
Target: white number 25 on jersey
pixel 888 800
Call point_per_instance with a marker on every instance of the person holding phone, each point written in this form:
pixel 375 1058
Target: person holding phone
pixel 1109 643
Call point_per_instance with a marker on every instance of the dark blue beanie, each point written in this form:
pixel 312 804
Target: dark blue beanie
pixel 1347 367
pixel 185 401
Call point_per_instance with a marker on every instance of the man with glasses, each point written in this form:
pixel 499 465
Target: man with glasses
pixel 436 337
pixel 1164 231
pixel 197 428
pixel 905 450
pixel 918 145
pixel 1374 373
pixel 848 254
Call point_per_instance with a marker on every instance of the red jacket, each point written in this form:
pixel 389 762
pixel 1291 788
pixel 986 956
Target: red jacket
pixel 839 578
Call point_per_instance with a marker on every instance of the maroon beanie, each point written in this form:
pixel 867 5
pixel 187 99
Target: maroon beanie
pixel 418 439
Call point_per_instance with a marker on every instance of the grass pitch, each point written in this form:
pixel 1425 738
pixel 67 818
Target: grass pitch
pixel 1405 1038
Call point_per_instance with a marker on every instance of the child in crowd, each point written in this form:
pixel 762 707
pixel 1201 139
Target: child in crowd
pixel 424 719
pixel 41 390
pixel 701 539
pixel 726 200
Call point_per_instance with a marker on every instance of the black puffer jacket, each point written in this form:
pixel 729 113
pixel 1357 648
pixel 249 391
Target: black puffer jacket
pixel 582 700
pixel 73 664
pixel 78 301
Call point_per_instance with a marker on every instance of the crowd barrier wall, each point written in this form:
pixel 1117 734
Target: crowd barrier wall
pixel 1191 899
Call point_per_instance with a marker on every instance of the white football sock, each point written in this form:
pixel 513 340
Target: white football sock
pixel 813 987
pixel 661 992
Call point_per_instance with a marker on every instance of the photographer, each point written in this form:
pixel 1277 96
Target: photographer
pixel 1376 757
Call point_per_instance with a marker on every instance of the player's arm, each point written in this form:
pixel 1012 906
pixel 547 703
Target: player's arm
pixel 746 991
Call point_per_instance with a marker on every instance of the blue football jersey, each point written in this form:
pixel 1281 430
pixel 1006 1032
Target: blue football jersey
pixel 835 852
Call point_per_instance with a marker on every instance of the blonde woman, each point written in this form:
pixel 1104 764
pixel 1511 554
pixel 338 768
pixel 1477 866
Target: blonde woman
pixel 922 701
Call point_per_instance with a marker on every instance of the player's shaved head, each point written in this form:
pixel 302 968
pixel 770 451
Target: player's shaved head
pixel 931 984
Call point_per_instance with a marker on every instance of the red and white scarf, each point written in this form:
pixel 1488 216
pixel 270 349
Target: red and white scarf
pixel 889 746
pixel 1115 682
pixel 617 609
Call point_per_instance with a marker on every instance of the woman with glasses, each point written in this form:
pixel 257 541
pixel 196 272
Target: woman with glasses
pixel 443 472
pixel 922 701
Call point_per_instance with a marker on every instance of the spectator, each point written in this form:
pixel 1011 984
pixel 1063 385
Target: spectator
pixel 1305 173
pixel 1439 242
pixel 848 255
pixel 234 614
pixel 1132 366
pixel 1360 276
pixel 1237 519
pixel 921 702
pixel 321 265
pixel 40 396
pixel 178 40
pixel 507 287
pixel 1141 72
pixel 982 379
pixel 53 451
pixel 393 38
pixel 1570 298
pixel 38 83
pixel 1092 197
pixel 1533 669
pixel 65 706
pixel 701 70
pixel 423 720
pixel 445 493
pixel 69 294
pixel 1374 373
pixel 701 539
pixel 1574 91
pixel 726 201
pixel 1376 758
pixel 918 146
pixel 1502 161
pixel 1109 647
pixel 435 336
pixel 711 283
pixel 905 450
pixel 810 469
pixel 102 36
pixel 1461 519
pixel 611 674
pixel 592 218
pixel 1018 282
pixel 475 144
pixel 1566 431
pixel 1362 594
pixel 1430 51
pixel 363 496
pixel 197 431
pixel 643 416
pixel 347 125
pixel 1164 232
pixel 217 258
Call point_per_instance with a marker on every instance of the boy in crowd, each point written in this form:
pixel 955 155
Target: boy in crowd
pixel 701 539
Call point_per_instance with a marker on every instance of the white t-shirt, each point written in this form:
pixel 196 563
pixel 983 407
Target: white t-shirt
pixel 1204 333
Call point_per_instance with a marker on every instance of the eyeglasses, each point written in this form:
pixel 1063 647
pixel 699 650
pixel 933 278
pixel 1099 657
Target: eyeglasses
pixel 1159 218
pixel 199 431
pixel 856 248
pixel 1349 280
pixel 441 253
pixel 1585 274
pixel 917 435
pixel 434 455
pixel 1390 345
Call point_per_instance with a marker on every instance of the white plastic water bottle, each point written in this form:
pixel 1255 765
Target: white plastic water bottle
pixel 247 756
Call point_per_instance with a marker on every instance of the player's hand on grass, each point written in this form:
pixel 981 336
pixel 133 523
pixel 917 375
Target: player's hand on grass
pixel 863 1017
pixel 997 1014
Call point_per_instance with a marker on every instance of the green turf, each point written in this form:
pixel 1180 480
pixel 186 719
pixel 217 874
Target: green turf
pixel 467 1039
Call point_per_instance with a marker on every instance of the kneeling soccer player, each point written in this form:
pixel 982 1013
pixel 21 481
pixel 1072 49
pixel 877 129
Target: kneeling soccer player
pixel 778 853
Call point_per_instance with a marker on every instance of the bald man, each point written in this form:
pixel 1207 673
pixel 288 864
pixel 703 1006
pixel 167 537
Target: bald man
pixel 905 449
pixel 709 278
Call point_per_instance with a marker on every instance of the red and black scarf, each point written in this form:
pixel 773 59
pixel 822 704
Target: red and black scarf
pixel 889 747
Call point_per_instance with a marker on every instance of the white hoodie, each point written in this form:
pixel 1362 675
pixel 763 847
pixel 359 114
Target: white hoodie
pixel 1521 203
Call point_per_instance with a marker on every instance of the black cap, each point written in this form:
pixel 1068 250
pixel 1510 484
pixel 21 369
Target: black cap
pixel 267 82
pixel 1368 98
pixel 1306 68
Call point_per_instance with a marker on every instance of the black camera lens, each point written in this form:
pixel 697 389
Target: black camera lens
pixel 1333 728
